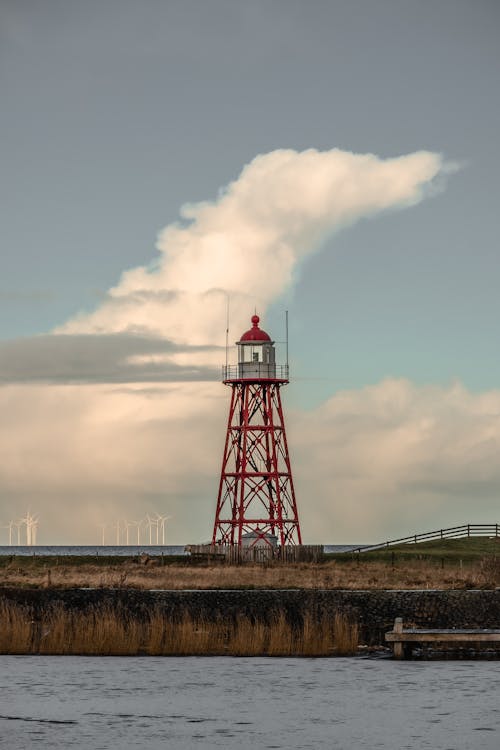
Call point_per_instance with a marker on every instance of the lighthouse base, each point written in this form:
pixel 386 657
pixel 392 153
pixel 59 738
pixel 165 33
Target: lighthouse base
pixel 256 500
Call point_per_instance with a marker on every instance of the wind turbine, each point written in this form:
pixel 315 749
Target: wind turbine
pixel 118 528
pixel 128 525
pixel 150 527
pixel 162 521
pixel 18 525
pixel 139 526
pixel 33 524
pixel 103 527
pixel 27 523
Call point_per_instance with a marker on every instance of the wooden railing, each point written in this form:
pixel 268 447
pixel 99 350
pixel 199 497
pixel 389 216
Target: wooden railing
pixel 453 532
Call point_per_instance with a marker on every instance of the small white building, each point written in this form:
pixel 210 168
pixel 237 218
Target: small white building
pixel 254 539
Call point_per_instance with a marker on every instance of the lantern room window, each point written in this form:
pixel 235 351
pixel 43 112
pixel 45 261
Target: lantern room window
pixel 256 353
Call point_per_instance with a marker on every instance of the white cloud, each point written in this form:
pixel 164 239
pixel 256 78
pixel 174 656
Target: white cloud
pixel 83 454
pixel 396 458
pixel 248 243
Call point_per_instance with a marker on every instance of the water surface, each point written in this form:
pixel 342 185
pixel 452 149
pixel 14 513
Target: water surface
pixel 247 703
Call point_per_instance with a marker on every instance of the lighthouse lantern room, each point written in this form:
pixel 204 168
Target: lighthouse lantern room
pixel 256 500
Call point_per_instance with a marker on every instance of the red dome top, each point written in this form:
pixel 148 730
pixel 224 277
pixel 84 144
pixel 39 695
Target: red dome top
pixel 255 333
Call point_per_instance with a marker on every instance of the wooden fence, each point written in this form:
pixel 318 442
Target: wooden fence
pixel 453 532
pixel 236 555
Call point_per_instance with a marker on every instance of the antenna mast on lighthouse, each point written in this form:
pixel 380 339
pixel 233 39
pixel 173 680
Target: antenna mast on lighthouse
pixel 256 500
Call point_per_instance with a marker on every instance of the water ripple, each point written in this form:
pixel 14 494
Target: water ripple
pixel 83 702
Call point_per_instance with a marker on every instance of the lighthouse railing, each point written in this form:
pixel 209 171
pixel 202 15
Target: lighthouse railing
pixel 255 371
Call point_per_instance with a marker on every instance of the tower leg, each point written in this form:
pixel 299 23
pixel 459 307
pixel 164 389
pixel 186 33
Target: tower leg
pixel 256 494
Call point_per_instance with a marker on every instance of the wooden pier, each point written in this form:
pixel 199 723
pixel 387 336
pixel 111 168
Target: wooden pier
pixel 405 640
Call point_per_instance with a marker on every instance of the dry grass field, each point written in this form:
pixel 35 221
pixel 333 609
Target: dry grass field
pixel 448 564
pixel 104 631
pixel 333 574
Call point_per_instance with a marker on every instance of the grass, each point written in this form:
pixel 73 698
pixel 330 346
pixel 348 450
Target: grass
pixel 452 551
pixel 446 564
pixel 34 562
pixel 105 631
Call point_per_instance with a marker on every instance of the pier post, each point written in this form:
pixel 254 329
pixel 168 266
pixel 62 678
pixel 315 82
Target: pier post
pixel 398 646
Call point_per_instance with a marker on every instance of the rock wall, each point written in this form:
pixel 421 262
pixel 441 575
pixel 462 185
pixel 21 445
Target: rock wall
pixel 374 610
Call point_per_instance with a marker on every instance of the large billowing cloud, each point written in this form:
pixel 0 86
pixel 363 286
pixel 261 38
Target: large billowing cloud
pixel 247 244
pixel 129 433
pixel 397 458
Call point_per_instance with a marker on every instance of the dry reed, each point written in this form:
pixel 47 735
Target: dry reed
pixel 408 574
pixel 104 631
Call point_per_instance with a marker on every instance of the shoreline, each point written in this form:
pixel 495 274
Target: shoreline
pixel 253 622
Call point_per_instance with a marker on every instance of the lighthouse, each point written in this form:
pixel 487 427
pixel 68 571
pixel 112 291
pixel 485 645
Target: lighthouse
pixel 256 503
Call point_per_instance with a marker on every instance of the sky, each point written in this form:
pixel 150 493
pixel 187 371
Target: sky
pixel 338 160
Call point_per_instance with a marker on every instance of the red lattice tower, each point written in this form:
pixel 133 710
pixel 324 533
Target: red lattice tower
pixel 256 502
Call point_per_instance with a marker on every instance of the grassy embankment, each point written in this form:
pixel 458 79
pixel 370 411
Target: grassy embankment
pixel 443 564
pixel 448 564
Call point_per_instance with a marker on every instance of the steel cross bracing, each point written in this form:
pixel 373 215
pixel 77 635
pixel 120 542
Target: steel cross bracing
pixel 256 491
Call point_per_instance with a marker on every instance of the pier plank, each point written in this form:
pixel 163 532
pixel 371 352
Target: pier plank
pixel 402 639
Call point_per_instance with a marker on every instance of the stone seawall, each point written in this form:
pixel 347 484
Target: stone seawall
pixel 373 610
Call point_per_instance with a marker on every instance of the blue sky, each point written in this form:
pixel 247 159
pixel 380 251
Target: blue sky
pixel 115 114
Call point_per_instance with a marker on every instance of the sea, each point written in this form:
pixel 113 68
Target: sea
pixel 119 550
pixel 108 703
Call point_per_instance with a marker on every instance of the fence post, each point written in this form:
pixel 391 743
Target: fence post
pixel 398 645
